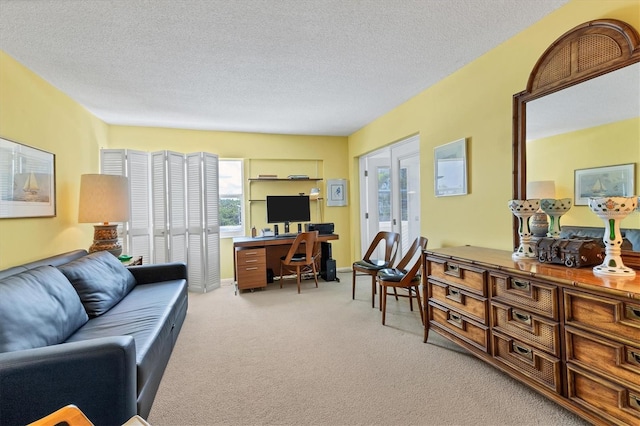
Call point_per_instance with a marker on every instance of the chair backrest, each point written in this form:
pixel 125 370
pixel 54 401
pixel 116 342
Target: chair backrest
pixel 391 241
pixel 419 244
pixel 309 239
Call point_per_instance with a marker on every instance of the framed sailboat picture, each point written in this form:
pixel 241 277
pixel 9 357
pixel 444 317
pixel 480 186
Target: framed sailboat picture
pixel 27 181
pixel 609 181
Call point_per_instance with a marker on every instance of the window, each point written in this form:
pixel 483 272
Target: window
pixel 231 198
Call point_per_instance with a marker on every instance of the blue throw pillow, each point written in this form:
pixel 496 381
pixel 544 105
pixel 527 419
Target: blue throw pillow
pixel 100 280
pixel 38 308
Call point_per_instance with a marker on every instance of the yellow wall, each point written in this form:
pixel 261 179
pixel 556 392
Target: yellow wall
pixel 330 152
pixel 34 113
pixel 476 102
pixel 558 156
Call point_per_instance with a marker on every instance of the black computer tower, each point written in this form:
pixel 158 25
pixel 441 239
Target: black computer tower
pixel 327 264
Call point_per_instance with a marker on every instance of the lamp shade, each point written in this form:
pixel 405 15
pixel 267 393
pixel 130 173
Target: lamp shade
pixel 103 198
pixel 540 189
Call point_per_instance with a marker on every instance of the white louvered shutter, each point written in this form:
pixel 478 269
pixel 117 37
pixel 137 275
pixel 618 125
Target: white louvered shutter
pixel 212 220
pixel 113 162
pixel 159 207
pixel 139 226
pixel 177 214
pixel 203 221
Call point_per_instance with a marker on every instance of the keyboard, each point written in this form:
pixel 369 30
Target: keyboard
pixel 286 235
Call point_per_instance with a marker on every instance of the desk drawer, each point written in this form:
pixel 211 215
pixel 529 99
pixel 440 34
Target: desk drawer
pixel 617 404
pixel 535 331
pixel 609 317
pixel 456 324
pixel 614 359
pixel 459 274
pixel 533 363
pixel 249 256
pixel 533 296
pixel 473 306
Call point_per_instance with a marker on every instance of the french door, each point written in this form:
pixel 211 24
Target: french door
pixel 390 192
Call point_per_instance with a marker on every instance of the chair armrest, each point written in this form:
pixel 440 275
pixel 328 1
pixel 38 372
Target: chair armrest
pixel 97 375
pixel 147 274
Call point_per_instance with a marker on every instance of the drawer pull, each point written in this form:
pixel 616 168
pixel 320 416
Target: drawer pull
pixel 521 350
pixel 634 312
pixel 251 269
pixel 251 260
pixel 453 270
pixel 455 295
pixel 634 357
pixel 520 317
pixel 521 285
pixel 634 401
pixel 455 319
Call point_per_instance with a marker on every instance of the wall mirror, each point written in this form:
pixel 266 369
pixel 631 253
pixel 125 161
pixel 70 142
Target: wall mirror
pixel 589 78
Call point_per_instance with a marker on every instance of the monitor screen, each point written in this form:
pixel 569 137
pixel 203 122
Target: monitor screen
pixel 288 208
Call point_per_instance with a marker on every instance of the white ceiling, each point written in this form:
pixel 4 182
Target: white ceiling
pixel 316 67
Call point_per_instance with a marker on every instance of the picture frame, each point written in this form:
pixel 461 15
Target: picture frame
pixel 607 181
pixel 336 192
pixel 450 168
pixel 27 181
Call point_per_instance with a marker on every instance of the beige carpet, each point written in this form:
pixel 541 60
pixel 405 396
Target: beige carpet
pixel 274 357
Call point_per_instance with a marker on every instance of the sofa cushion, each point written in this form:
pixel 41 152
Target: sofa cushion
pixel 38 307
pixel 100 280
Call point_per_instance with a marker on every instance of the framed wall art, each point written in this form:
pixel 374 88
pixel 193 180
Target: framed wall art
pixel 336 192
pixel 605 181
pixel 27 181
pixel 450 165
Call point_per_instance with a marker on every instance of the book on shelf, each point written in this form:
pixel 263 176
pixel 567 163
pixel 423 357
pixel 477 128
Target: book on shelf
pixel 267 176
pixel 298 177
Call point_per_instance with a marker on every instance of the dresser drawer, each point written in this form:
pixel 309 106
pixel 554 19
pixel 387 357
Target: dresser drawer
pixel 531 362
pixel 456 324
pixel 616 403
pixel 460 274
pixel 609 317
pixel 536 297
pixel 523 325
pixel 473 306
pixel 603 355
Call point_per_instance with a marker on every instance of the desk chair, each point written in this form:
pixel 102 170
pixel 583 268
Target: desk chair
pixel 403 276
pixel 302 262
pixel 369 266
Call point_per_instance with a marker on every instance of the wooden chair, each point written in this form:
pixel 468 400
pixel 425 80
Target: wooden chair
pixel 403 276
pixel 301 262
pixel 369 266
pixel 69 415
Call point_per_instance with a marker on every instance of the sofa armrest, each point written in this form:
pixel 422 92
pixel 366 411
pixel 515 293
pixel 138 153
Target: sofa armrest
pixel 97 375
pixel 147 274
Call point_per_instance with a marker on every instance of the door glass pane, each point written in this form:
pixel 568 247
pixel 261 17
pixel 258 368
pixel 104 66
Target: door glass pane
pixel 409 200
pixel 384 198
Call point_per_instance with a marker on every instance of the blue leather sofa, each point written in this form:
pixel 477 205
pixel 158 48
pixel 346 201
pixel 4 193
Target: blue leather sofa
pixel 82 329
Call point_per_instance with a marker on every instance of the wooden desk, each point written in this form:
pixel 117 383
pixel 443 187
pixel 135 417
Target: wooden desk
pixel 252 257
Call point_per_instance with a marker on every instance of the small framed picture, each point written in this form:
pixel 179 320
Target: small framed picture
pixel 27 181
pixel 608 181
pixel 336 192
pixel 450 165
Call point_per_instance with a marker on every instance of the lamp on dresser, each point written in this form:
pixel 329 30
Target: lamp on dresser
pixel 104 199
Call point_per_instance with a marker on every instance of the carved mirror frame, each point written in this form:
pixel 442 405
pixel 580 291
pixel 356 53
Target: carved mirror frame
pixel 584 52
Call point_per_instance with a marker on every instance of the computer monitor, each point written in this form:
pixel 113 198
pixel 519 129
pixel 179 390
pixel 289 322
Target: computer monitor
pixel 288 208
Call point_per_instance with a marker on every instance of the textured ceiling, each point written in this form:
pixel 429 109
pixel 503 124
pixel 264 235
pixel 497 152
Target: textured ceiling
pixel 323 67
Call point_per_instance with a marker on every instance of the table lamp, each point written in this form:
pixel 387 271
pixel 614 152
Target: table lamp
pixel 540 189
pixel 105 199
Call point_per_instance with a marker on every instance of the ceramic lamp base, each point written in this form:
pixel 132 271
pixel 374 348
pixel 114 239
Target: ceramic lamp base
pixel 105 238
pixel 523 210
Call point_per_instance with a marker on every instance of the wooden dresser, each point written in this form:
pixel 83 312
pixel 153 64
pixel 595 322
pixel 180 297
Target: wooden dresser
pixel 570 335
